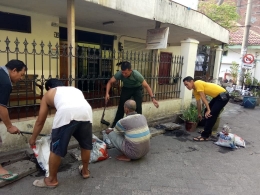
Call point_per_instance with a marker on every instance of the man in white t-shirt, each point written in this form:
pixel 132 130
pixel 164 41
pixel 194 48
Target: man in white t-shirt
pixel 73 118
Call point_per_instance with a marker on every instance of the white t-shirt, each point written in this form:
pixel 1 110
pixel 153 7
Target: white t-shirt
pixel 70 105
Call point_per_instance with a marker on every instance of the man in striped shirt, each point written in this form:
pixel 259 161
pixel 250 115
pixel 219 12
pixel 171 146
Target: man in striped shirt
pixel 131 134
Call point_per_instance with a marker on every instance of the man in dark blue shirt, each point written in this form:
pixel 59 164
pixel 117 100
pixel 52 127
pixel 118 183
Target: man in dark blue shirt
pixel 12 72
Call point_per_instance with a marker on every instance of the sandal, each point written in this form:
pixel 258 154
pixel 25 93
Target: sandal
pixel 80 172
pixel 8 176
pixel 200 139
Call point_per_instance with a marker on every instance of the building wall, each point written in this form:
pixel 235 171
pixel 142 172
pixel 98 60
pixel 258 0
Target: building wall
pixel 234 55
pixel 255 14
pixel 193 4
pixel 172 13
pixel 41 30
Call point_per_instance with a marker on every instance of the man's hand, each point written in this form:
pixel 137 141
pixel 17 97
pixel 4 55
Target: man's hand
pixel 32 141
pixel 108 130
pixel 200 117
pixel 155 103
pixel 107 98
pixel 207 114
pixel 13 130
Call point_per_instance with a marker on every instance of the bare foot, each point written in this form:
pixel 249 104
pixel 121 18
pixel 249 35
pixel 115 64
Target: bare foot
pixel 123 158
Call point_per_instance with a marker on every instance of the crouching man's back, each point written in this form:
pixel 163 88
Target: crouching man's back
pixel 131 134
pixel 137 135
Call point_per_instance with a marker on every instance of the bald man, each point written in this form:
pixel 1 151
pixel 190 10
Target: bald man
pixel 131 135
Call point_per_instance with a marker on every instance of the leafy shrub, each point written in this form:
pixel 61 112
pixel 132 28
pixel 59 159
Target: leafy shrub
pixel 190 114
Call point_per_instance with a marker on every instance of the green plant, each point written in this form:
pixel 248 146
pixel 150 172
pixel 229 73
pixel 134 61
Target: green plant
pixel 235 93
pixel 225 14
pixel 255 81
pixel 190 114
pixel 256 92
pixel 248 78
pixel 234 71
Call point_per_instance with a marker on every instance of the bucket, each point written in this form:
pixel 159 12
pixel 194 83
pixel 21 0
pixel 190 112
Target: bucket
pixel 249 101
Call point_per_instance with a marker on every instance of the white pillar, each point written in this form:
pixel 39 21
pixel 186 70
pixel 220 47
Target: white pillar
pixel 189 49
pixel 71 37
pixel 217 64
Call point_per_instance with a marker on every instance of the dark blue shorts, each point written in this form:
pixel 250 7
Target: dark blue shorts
pixel 60 137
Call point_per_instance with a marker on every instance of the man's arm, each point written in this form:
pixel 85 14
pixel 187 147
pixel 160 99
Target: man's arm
pixel 4 115
pixel 40 120
pixel 205 101
pixel 199 108
pixel 149 90
pixel 108 87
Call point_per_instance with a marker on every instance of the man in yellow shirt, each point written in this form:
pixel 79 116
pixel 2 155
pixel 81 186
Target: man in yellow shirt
pixel 220 99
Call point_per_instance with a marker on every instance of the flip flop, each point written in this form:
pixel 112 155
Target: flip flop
pixel 41 184
pixel 8 176
pixel 80 172
pixel 200 139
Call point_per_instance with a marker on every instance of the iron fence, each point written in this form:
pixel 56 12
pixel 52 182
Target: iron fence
pixel 87 68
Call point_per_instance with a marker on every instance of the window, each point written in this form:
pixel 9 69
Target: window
pixel 15 22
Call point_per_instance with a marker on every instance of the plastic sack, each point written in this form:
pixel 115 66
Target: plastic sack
pixel 239 141
pixel 230 140
pixel 107 140
pixel 42 153
pixel 99 150
pixel 226 140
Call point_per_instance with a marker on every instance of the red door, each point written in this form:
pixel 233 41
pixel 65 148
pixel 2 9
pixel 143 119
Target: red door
pixel 164 68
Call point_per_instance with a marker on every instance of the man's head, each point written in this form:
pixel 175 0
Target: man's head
pixel 189 82
pixel 126 68
pixel 52 83
pixel 16 70
pixel 129 106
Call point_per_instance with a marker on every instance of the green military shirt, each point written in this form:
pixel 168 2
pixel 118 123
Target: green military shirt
pixel 134 80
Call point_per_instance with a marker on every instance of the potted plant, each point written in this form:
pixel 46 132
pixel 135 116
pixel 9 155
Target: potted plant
pixel 248 80
pixel 190 117
pixel 234 71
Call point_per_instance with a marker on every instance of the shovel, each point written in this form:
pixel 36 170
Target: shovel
pixel 29 133
pixel 25 138
pixel 102 118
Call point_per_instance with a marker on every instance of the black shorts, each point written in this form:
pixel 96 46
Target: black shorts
pixel 60 137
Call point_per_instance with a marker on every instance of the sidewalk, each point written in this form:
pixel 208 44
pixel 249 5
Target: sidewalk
pixel 174 165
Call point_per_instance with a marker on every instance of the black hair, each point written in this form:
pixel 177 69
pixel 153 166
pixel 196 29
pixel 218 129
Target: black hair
pixel 52 83
pixel 188 79
pixel 125 65
pixel 16 64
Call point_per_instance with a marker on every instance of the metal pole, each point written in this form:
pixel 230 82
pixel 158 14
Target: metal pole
pixel 245 38
pixel 71 38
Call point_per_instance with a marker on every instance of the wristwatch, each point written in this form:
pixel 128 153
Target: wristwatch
pixel 152 97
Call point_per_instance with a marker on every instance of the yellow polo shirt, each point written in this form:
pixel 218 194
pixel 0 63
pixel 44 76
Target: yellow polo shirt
pixel 210 89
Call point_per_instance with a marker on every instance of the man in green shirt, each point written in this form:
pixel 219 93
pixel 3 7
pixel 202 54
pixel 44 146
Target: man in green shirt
pixel 133 83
